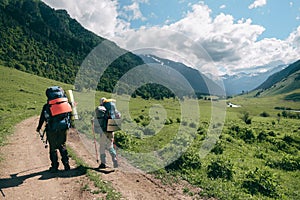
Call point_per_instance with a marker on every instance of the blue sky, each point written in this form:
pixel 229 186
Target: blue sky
pixel 214 36
pixel 279 17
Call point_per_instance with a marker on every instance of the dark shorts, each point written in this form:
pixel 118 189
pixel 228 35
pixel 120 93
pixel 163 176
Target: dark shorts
pixel 56 139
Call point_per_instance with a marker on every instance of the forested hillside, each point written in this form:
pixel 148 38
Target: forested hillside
pixel 37 39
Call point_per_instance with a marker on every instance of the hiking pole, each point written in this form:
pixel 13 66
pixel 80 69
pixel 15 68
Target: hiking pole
pixel 42 138
pixel 97 159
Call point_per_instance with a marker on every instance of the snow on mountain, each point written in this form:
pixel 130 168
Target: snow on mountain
pixel 244 82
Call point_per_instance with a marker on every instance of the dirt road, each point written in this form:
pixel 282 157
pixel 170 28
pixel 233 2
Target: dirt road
pixel 24 173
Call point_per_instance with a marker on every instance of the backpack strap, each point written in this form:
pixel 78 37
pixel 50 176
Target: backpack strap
pixel 58 100
pixel 59 106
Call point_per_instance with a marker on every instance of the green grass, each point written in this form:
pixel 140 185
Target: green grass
pixel 251 149
pixel 21 96
pixel 102 186
pixel 244 155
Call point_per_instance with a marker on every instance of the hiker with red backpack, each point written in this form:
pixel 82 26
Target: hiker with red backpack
pixel 57 114
pixel 105 111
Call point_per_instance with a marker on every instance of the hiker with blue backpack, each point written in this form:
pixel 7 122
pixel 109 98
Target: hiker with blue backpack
pixel 103 113
pixel 57 115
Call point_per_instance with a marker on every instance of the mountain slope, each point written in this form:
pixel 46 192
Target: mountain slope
pixel 280 76
pixel 289 87
pixel 200 83
pixel 285 83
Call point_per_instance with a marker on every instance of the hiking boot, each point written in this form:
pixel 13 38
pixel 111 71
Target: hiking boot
pixel 53 169
pixel 102 166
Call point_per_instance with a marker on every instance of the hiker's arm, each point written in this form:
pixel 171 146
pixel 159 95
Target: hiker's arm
pixel 42 119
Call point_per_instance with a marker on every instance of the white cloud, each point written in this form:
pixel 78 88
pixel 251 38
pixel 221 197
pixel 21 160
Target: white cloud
pixel 294 41
pixel 135 9
pixel 100 17
pixel 257 3
pixel 198 39
pixel 223 6
pixel 218 40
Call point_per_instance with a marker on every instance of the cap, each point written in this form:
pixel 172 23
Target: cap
pixel 102 100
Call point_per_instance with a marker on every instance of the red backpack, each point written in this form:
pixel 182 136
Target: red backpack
pixel 60 109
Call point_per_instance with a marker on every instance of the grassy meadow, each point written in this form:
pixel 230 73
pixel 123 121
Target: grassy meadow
pixel 21 95
pixel 256 156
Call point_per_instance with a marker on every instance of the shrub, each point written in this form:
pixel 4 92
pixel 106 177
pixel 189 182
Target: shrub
pixel 188 160
pixel 272 133
pixel 248 121
pixel 168 121
pixel 264 114
pixel 137 120
pixel 220 169
pixel 288 163
pixel 284 114
pixel 218 148
pixel 246 118
pixel 290 139
pixel 260 155
pixel 235 128
pixel 262 136
pixel 247 135
pixel 122 140
pixel 145 123
pixel 201 130
pixel 261 181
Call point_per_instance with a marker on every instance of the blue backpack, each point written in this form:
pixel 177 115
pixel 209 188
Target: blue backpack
pixel 113 115
pixel 112 112
pixel 59 109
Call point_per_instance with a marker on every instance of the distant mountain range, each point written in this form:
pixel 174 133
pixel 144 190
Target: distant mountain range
pixel 241 83
pixel 200 83
pixel 244 82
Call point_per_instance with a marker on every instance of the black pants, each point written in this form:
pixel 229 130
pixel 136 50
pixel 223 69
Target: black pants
pixel 57 141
